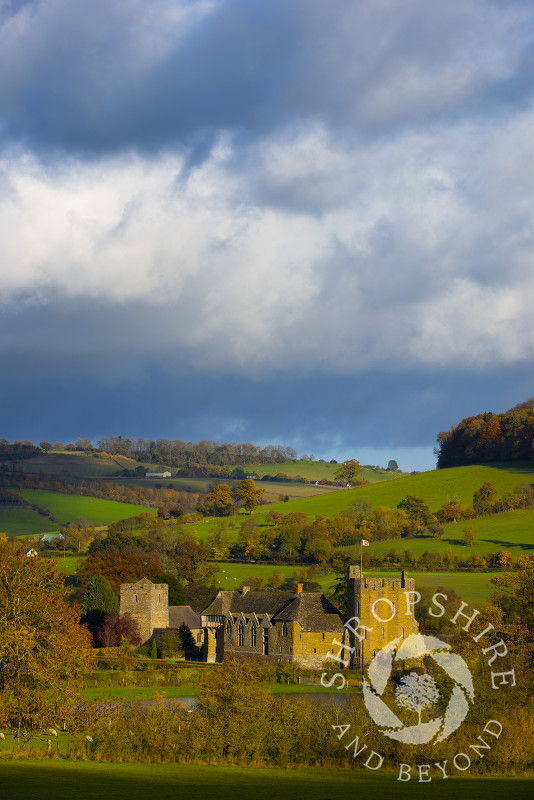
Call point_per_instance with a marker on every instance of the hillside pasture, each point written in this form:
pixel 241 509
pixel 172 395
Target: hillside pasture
pixel 435 487
pixel 315 470
pixel 67 507
pixel 83 465
pixel 512 530
pixel 24 522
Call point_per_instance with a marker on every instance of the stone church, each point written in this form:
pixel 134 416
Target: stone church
pixel 286 626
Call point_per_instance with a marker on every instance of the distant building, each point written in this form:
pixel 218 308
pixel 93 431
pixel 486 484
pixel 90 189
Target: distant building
pixel 52 537
pixel 165 474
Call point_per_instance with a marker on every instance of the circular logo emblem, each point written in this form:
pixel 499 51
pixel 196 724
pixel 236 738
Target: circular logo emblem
pixel 416 692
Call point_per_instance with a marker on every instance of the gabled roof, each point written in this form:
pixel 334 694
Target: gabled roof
pixel 311 609
pixel 266 602
pixel 178 615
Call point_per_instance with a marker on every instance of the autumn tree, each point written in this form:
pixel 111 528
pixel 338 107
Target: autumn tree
pixel 43 650
pixel 45 446
pixel 219 502
pixel 121 565
pixel 247 493
pixel 348 471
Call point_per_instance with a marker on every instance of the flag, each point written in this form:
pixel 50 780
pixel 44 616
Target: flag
pixel 365 543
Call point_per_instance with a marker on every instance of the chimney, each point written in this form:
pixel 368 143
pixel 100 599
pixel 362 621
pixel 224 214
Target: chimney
pixel 299 588
pixel 245 589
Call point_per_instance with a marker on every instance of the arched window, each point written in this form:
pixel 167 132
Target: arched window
pixel 228 628
pixel 402 633
pixel 284 629
pixel 253 639
pixel 241 635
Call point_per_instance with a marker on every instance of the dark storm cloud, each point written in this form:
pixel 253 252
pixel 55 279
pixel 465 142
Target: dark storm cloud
pixel 302 222
pixel 108 75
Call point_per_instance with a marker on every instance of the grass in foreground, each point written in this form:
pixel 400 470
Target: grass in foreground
pixel 63 780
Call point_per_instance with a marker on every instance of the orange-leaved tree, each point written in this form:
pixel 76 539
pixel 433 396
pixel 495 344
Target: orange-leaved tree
pixel 43 650
pixel 348 471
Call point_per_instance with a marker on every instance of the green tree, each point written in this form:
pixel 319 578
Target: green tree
pixel 348 471
pixel 415 508
pixel 470 536
pixel 392 465
pixel 187 641
pixel 247 493
pixel 98 601
pixel 171 644
pixel 484 498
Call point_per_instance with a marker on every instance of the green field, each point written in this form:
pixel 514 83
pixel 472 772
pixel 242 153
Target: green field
pixel 66 507
pixel 231 575
pixel 435 487
pixel 64 780
pixel 23 522
pixel 473 587
pixel 68 564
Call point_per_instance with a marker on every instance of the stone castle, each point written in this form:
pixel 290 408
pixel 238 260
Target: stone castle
pixel 286 626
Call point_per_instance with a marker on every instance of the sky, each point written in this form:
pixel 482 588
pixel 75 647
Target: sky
pixel 278 221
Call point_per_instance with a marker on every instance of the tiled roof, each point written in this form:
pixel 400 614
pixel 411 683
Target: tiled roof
pixel 180 614
pixel 248 603
pixel 311 609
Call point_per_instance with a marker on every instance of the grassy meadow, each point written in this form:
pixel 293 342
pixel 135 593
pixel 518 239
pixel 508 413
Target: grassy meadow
pixel 66 507
pixel 86 780
pixel 23 522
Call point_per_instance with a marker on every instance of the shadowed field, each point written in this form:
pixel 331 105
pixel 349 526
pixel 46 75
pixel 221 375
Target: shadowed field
pixel 64 780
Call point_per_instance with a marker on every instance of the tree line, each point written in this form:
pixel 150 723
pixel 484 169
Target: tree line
pixel 489 437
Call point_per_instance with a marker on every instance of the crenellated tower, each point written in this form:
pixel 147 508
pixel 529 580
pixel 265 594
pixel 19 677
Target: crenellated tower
pixel 148 604
pixel 381 605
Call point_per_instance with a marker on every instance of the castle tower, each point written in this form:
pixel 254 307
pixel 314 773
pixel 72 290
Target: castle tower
pixel 381 605
pixel 148 604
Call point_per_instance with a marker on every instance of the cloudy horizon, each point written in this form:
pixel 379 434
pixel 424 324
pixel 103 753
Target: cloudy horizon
pixel 298 223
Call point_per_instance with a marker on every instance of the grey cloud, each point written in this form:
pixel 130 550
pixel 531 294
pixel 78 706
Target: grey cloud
pixel 106 75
